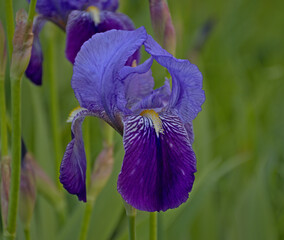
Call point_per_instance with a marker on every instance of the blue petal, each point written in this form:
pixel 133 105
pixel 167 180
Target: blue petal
pixel 159 98
pixel 187 95
pixel 81 27
pixel 34 69
pixel 73 165
pixel 96 71
pixel 158 171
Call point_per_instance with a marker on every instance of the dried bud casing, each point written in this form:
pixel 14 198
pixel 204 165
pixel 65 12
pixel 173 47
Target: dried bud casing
pixel 5 188
pixel 162 25
pixel 27 191
pixel 3 52
pixel 22 45
pixel 101 173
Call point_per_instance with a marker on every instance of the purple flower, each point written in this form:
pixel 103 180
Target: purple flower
pixel 159 163
pixel 81 19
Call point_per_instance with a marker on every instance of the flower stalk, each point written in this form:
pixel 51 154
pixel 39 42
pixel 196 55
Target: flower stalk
pixel 131 215
pixel 10 25
pixel 22 46
pixel 54 103
pixel 153 226
pixel 3 60
pixel 101 173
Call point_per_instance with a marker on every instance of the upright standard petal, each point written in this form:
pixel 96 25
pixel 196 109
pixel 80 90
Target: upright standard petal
pixel 34 70
pixel 158 168
pixel 73 165
pixel 81 26
pixel 97 66
pixel 187 95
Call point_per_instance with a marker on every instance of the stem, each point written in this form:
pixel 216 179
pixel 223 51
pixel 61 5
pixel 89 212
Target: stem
pixel 10 25
pixel 27 233
pixel 131 227
pixel 86 219
pixel 54 110
pixel 16 157
pixel 4 138
pixel 153 226
pixel 32 10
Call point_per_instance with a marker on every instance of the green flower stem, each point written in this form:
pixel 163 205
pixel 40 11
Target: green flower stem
pixel 86 219
pixel 92 193
pixel 131 227
pixel 131 215
pixel 4 137
pixel 54 113
pixel 32 10
pixel 27 233
pixel 10 232
pixel 153 226
pixel 10 25
pixel 15 78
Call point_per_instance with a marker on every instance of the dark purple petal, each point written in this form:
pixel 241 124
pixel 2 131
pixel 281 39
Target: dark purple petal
pixel 109 5
pixel 81 27
pixel 96 71
pixel 73 165
pixel 158 170
pixel 34 69
pixel 187 95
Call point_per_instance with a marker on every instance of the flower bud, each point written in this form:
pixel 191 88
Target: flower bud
pixel 27 191
pixel 101 173
pixel 162 24
pixel 48 190
pixel 5 188
pixel 22 45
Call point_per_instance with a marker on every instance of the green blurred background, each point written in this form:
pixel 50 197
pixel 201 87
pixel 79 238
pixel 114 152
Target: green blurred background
pixel 239 187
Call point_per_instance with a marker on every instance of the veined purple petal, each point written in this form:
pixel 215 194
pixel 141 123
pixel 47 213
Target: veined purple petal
pixel 73 165
pixel 159 98
pixel 96 71
pixel 34 69
pixel 158 170
pixel 81 27
pixel 137 87
pixel 187 95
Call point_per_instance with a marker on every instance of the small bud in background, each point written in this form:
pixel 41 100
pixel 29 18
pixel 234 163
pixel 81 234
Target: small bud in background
pixel 3 52
pixel 170 37
pixel 101 173
pixel 47 188
pixel 22 45
pixel 27 191
pixel 162 24
pixel 5 186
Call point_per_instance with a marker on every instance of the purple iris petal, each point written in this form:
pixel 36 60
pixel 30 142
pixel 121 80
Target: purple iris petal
pixel 81 27
pixel 34 70
pixel 159 98
pixel 137 87
pixel 96 71
pixel 157 172
pixel 73 165
pixel 187 95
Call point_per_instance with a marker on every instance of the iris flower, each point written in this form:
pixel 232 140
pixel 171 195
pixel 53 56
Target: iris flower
pixel 159 163
pixel 81 19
